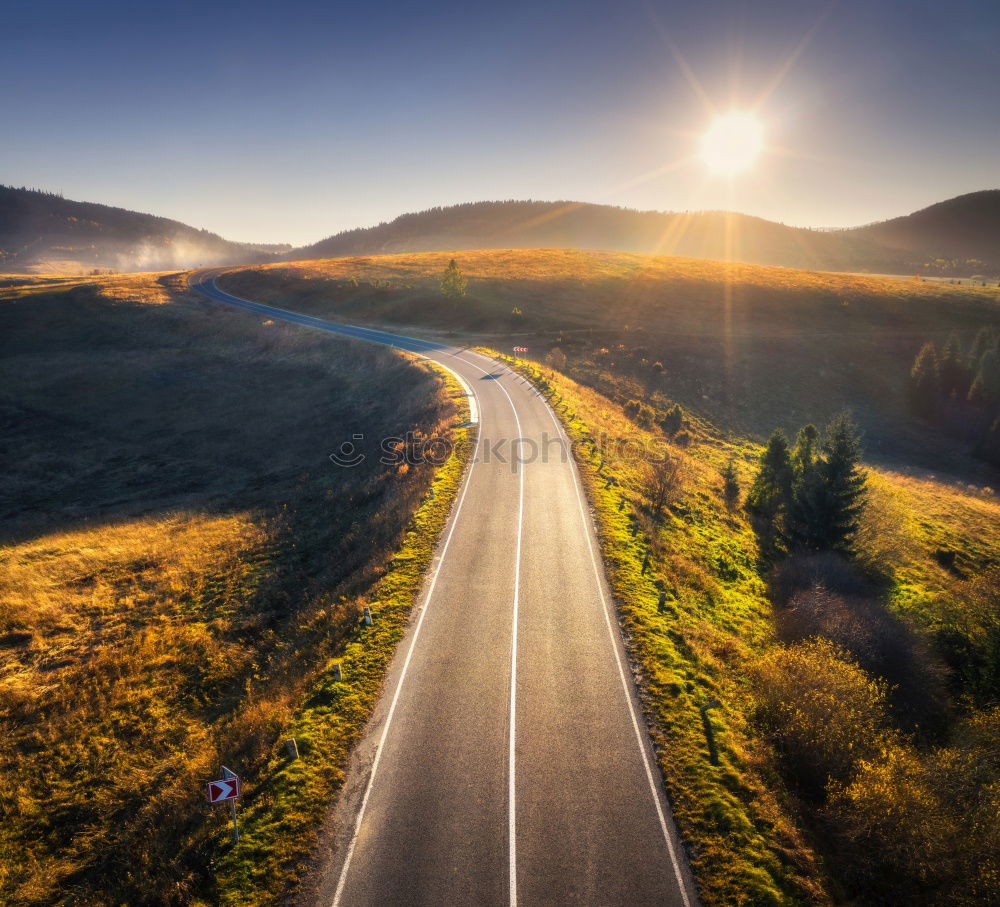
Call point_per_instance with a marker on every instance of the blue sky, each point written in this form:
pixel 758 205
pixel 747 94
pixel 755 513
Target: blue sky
pixel 288 122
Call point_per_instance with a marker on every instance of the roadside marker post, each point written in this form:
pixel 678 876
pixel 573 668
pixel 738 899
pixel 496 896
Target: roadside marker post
pixel 368 616
pixel 338 674
pixel 227 788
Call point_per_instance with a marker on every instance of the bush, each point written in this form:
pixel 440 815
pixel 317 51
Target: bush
pixel 673 422
pixel 664 483
pixel 825 595
pixel 641 413
pixel 556 359
pixel 822 714
pixel 731 485
pixel 922 829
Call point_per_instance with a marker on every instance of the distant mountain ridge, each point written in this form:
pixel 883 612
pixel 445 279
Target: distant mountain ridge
pixel 958 237
pixel 43 231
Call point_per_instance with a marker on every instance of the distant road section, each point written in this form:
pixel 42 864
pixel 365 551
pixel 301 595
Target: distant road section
pixel 507 761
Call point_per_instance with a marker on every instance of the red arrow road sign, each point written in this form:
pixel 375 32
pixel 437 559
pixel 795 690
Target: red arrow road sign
pixel 219 791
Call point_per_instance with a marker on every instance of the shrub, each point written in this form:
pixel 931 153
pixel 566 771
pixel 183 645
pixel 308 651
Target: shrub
pixel 664 483
pixel 731 485
pixel 673 422
pixel 556 359
pixel 641 413
pixel 918 828
pixel 822 713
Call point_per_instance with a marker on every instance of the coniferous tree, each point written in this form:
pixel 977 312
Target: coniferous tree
pixel 925 383
pixel 453 283
pixel 802 510
pixel 771 491
pixel 731 484
pixel 952 369
pixel 985 339
pixel 838 492
pixel 989 447
pixel 985 388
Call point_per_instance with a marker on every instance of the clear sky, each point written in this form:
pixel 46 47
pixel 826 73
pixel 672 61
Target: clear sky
pixel 286 122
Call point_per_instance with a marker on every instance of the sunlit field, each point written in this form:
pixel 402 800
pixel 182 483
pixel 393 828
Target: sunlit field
pixel 178 561
pixel 901 687
pixel 746 347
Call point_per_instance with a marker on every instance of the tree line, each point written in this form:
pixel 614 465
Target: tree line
pixel 960 390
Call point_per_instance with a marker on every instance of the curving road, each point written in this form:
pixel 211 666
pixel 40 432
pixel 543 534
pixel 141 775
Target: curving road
pixel 507 761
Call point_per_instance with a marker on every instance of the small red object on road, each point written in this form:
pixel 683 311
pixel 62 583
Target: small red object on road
pixel 220 791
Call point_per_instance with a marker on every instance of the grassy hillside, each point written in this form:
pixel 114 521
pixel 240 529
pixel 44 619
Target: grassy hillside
pixel 179 560
pixel 857 696
pixel 914 823
pixel 954 237
pixel 44 232
pixel 748 348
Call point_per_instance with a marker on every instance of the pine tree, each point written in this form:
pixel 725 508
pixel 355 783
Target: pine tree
pixel 804 453
pixel 989 447
pixel 986 338
pixel 731 484
pixel 772 488
pixel 952 369
pixel 925 383
pixel 453 283
pixel 805 487
pixel 838 493
pixel 985 389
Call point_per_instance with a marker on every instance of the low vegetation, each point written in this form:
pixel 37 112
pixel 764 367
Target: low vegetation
pixel 179 563
pixel 846 622
pixel 844 743
pixel 747 348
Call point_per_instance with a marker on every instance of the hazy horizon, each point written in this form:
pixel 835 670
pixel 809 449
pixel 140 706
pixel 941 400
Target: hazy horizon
pixel 290 129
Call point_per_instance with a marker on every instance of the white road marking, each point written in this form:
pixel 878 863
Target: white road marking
pixel 640 740
pixel 512 734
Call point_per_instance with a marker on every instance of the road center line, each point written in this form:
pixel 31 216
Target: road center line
pixel 512 733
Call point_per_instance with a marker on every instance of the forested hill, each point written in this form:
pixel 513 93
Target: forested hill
pixel 703 234
pixel 45 232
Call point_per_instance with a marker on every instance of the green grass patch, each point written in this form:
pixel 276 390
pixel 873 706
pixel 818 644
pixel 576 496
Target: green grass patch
pixel 742 841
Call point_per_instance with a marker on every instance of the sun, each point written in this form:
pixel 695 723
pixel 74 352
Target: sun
pixel 732 143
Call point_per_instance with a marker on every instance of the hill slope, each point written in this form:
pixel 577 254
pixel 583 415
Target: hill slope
pixel 40 231
pixel 910 244
pixel 966 227
pixel 747 346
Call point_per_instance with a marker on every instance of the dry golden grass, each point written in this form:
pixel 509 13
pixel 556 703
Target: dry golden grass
pixel 179 559
pixel 745 347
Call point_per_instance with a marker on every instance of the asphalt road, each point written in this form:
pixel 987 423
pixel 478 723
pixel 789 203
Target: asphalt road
pixel 507 761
